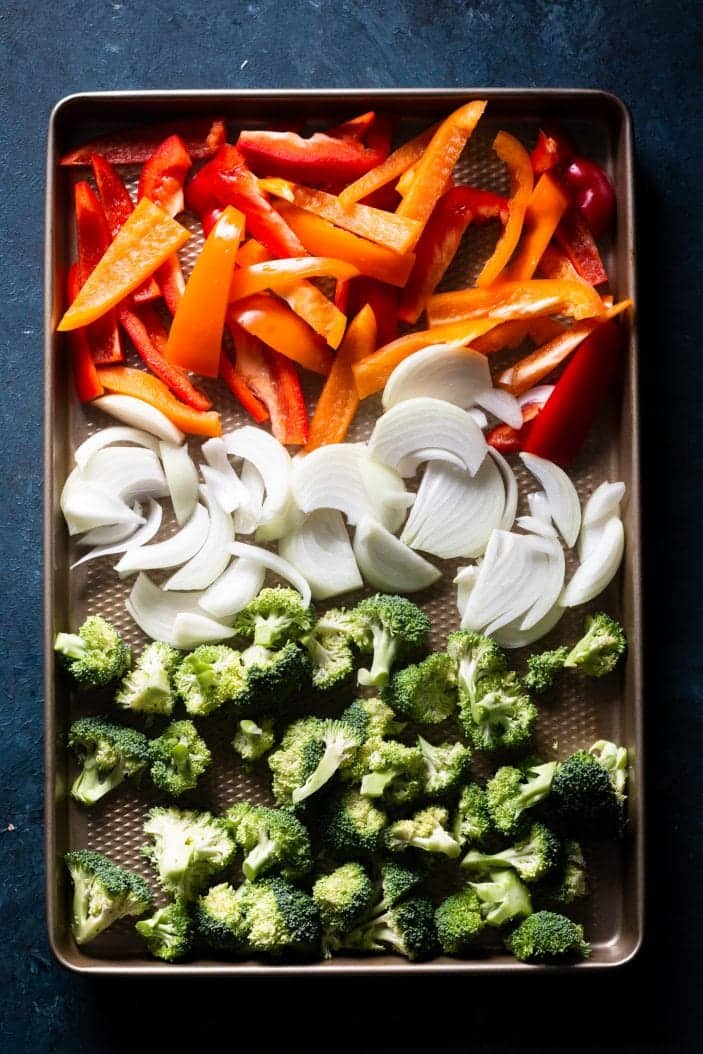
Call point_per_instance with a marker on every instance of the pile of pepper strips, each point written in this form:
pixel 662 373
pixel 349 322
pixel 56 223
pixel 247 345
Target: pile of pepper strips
pixel 279 209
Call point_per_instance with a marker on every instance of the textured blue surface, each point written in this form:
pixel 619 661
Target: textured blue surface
pixel 651 54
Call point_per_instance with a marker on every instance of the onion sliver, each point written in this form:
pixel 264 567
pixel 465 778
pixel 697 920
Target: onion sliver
pixel 139 537
pixel 539 507
pixel 511 636
pixel 113 532
pixel 212 558
pixel 599 567
pixel 221 477
pixel 386 563
pixel 155 611
pixel 465 582
pixel 536 396
pixel 603 503
pixel 441 371
pixel 172 552
pixel 561 494
pixel 128 472
pixel 320 549
pixel 535 525
pixel 273 463
pixel 248 515
pixel 421 424
pixel 274 563
pixel 501 404
pixel 234 589
pixel 109 436
pixel 192 628
pixel 87 505
pixel 510 484
pixel 139 414
pixel 182 479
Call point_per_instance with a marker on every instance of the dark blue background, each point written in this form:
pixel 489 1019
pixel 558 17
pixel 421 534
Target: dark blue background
pixel 649 53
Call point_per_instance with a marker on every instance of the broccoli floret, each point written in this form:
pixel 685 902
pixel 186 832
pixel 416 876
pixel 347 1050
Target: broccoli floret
pixel 408 929
pixel 614 760
pixel 511 791
pixel 168 933
pixel 502 717
pixel 390 628
pixel 502 897
pixel 343 898
pixel 396 773
pixel 108 753
pixel 252 740
pixel 272 677
pixel 310 753
pixel 96 655
pixel 601 647
pixel 219 918
pixel 339 620
pixel 585 797
pixel 424 830
pixel 273 841
pixel 567 881
pixel 210 676
pixel 395 884
pixel 279 919
pixel 425 692
pixel 472 823
pixel 331 658
pixel 188 849
pixel 102 893
pixel 547 937
pixel 371 720
pixel 148 688
pixel 181 756
pixel 475 658
pixel 533 857
pixel 447 767
pixel 352 825
pixel 542 669
pixel 459 920
pixel 275 617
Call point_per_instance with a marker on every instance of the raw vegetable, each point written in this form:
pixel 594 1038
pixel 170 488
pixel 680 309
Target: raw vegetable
pixel 123 380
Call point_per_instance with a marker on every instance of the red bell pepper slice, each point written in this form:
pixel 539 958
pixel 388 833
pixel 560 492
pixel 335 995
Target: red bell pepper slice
pixel 383 301
pixel 510 440
pixel 355 128
pixel 574 236
pixel 239 388
pixel 85 375
pixel 591 192
pixel 203 137
pixel 559 431
pixel 164 174
pixel 93 238
pixel 553 148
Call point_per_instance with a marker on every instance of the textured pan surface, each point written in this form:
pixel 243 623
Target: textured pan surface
pixel 578 713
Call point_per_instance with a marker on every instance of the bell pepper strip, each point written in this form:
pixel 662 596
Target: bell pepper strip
pixel 554 263
pixel 591 192
pixel 342 296
pixel 548 203
pixel 339 398
pixel 274 380
pixel 371 373
pixel 508 300
pixel 511 151
pixel 280 188
pixel 318 160
pixel 553 148
pixel 276 325
pixel 92 239
pixel 85 375
pixel 574 236
pixel 437 162
pixel 321 238
pixel 386 198
pixel 320 313
pixel 241 390
pixel 209 219
pixel 388 170
pixel 355 128
pixel 384 228
pixel 142 244
pixel 202 136
pixel 540 330
pixel 172 283
pixel 383 301
pixel 195 338
pixel 274 273
pixel 164 174
pixel 142 385
pixel 559 430
pixel 511 440
pixel 505 335
pixel 406 180
pixel 251 252
pixel 145 329
pixel 451 216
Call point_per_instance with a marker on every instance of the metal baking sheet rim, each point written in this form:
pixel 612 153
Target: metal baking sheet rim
pixel 528 102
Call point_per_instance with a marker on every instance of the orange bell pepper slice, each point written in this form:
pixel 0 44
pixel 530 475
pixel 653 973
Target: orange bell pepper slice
pixel 141 385
pixel 371 373
pixel 548 203
pixel 514 155
pixel 272 274
pixel 195 339
pixel 392 168
pixel 145 241
pixel 505 335
pixel 252 252
pixel 508 300
pixel 385 228
pixel 437 162
pixel 322 238
pixel 554 263
pixel 540 330
pixel 276 325
pixel 339 398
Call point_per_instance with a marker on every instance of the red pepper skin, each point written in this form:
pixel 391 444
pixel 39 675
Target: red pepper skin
pixel 172 283
pixel 591 192
pixel 164 174
pixel 241 390
pixel 383 301
pixel 574 236
pixel 93 238
pixel 342 295
pixel 356 128
pixel 553 148
pixel 559 431
pixel 510 440
pixel 85 375
pixel 202 136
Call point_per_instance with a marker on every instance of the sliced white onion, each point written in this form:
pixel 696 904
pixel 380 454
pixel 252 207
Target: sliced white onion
pixel 536 525
pixel 410 464
pixel 441 371
pixel 479 417
pixel 182 479
pixel 139 414
pixel 511 493
pixel 248 516
pixel 465 582
pixel 501 404
pixel 561 494
pixel 212 558
pixel 386 563
pixel 423 423
pixel 155 611
pixel 170 553
pixel 539 506
pixel 109 436
pixel 221 477
pixel 87 505
pixel 536 396
pixel 552 583
pixel 320 549
pixel 454 513
pixel 129 473
pixel 603 503
pixel 511 636
pixel 192 628
pixel 139 537
pixel 273 462
pixel 289 519
pixel 599 567
pixel 113 532
pixel 234 589
pixel 274 563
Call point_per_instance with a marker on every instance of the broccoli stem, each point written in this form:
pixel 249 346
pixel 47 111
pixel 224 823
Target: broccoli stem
pixel 259 857
pixel 374 784
pixel 90 786
pixel 329 763
pixel 438 842
pixel 268 629
pixel 384 652
pixel 70 645
pixel 85 926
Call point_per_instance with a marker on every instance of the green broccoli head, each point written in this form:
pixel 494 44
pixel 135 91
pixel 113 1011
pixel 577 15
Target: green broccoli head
pixel 251 740
pixel 472 822
pixel 148 688
pixel 601 647
pixel 351 825
pixel 180 756
pixel 187 849
pixel 272 678
pixel 547 937
pixel 371 720
pixel 475 658
pixel 278 919
pixel 447 767
pixel 273 841
pixel 614 760
pixel 168 933
pixel 425 692
pixel 408 929
pixel 219 919
pixel 391 629
pixel 209 677
pixel 108 753
pixel 331 658
pixel 96 655
pixel 339 620
pixel 102 893
pixel 395 884
pixel 424 830
pixel 511 791
pixel 459 921
pixel 275 617
pixel 567 881
pixel 502 897
pixel 396 773
pixel 310 753
pixel 343 897
pixel 542 669
pixel 502 716
pixel 585 797
pixel 533 856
